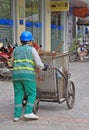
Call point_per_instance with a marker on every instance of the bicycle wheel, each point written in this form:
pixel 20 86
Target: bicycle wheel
pixel 70 94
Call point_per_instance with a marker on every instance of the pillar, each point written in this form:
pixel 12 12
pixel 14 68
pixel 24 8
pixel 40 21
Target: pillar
pixel 47 23
pixel 64 24
pixel 20 18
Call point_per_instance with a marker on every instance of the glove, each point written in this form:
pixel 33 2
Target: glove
pixel 45 67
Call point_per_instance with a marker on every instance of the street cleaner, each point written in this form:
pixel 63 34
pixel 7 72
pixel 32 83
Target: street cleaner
pixel 25 58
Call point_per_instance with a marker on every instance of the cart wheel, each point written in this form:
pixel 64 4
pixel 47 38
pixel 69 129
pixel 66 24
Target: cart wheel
pixel 35 108
pixel 70 94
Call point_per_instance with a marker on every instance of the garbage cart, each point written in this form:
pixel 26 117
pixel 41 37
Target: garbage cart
pixel 55 84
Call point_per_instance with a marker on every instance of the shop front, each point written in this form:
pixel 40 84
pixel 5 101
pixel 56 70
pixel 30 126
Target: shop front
pixel 36 16
pixel 46 19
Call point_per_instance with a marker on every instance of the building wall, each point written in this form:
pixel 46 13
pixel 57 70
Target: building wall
pixel 46 33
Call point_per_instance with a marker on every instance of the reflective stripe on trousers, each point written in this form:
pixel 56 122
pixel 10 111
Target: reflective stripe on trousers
pixel 21 86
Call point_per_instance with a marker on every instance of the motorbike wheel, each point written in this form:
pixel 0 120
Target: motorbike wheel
pixel 5 71
pixel 74 57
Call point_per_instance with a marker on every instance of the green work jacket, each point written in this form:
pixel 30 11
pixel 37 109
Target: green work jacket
pixel 23 64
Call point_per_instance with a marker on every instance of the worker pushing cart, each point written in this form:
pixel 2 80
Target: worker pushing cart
pixel 55 84
pixel 25 57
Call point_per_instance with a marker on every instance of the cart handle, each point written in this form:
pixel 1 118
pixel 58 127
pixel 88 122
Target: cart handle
pixel 52 67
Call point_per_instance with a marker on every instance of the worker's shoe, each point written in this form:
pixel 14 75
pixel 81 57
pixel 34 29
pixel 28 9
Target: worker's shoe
pixel 16 119
pixel 31 116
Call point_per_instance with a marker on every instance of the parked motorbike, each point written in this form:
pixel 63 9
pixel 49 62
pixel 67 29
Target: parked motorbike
pixel 74 56
pixel 5 58
pixel 80 54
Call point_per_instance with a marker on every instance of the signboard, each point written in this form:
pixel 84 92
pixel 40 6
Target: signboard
pixel 59 6
pixel 83 22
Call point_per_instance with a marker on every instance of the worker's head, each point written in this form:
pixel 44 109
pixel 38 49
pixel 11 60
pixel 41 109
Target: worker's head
pixel 26 37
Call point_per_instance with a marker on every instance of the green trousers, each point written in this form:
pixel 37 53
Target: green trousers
pixel 21 88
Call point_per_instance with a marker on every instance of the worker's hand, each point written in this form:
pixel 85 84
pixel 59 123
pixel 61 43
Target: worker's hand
pixel 45 67
pixel 37 70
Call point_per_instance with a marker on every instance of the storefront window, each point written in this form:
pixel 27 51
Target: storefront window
pixel 55 22
pixel 5 22
pixel 5 9
pixel 32 18
pixel 56 29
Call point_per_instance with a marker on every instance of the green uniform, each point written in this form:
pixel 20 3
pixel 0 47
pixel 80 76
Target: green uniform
pixel 24 79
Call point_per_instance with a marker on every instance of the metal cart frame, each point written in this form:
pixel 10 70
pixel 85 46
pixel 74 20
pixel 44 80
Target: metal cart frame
pixel 54 88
